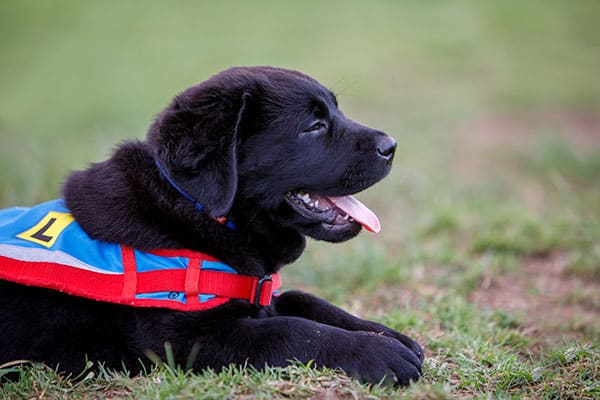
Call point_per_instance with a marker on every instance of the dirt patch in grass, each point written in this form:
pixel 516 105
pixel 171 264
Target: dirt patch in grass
pixel 553 304
pixel 581 130
pixel 487 147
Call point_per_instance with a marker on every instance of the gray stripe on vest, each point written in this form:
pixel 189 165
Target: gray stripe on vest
pixel 49 256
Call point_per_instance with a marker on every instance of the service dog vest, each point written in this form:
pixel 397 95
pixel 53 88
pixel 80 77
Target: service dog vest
pixel 44 246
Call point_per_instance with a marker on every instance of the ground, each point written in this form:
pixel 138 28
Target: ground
pixel 545 296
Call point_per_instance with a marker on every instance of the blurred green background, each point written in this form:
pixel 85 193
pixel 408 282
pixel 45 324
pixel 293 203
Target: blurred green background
pixel 495 105
pixel 494 199
pixel 78 76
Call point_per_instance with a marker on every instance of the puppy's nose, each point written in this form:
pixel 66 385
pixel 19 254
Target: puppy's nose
pixel 386 147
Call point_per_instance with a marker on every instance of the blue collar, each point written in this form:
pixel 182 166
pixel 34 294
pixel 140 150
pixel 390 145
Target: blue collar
pixel 222 220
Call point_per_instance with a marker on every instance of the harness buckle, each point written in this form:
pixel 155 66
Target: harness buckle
pixel 259 287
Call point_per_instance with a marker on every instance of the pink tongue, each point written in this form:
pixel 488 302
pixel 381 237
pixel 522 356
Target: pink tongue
pixel 358 211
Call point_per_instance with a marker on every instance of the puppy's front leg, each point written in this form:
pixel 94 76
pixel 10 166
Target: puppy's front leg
pixel 275 341
pixel 304 305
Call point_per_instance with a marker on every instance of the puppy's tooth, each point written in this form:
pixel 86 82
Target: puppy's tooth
pixel 316 203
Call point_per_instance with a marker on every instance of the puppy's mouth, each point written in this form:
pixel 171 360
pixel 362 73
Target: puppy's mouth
pixel 332 210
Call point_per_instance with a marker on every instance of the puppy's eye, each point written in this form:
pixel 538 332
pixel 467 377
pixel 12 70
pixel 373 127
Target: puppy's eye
pixel 317 127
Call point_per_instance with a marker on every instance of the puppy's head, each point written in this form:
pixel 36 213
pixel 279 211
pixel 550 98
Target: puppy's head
pixel 270 146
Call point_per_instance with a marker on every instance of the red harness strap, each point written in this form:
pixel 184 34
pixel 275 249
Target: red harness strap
pixel 129 272
pixel 193 281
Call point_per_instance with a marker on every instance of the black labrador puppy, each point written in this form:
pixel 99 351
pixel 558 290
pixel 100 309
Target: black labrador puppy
pixel 240 167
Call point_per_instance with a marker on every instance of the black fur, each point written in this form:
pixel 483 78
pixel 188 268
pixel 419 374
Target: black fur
pixel 238 143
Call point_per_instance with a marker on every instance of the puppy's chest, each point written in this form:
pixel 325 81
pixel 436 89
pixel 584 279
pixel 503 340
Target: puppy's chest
pixel 44 246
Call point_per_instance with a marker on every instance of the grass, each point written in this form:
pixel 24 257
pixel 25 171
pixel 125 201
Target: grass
pixel 490 248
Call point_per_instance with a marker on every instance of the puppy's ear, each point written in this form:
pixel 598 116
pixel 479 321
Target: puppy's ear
pixel 195 139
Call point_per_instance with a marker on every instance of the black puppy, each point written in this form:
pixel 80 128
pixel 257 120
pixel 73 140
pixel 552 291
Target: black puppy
pixel 240 167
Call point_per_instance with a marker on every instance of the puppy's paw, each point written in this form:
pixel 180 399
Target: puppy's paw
pixel 378 358
pixel 405 340
pixel 408 342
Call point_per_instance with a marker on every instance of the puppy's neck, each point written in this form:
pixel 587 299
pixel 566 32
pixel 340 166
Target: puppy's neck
pixel 124 200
